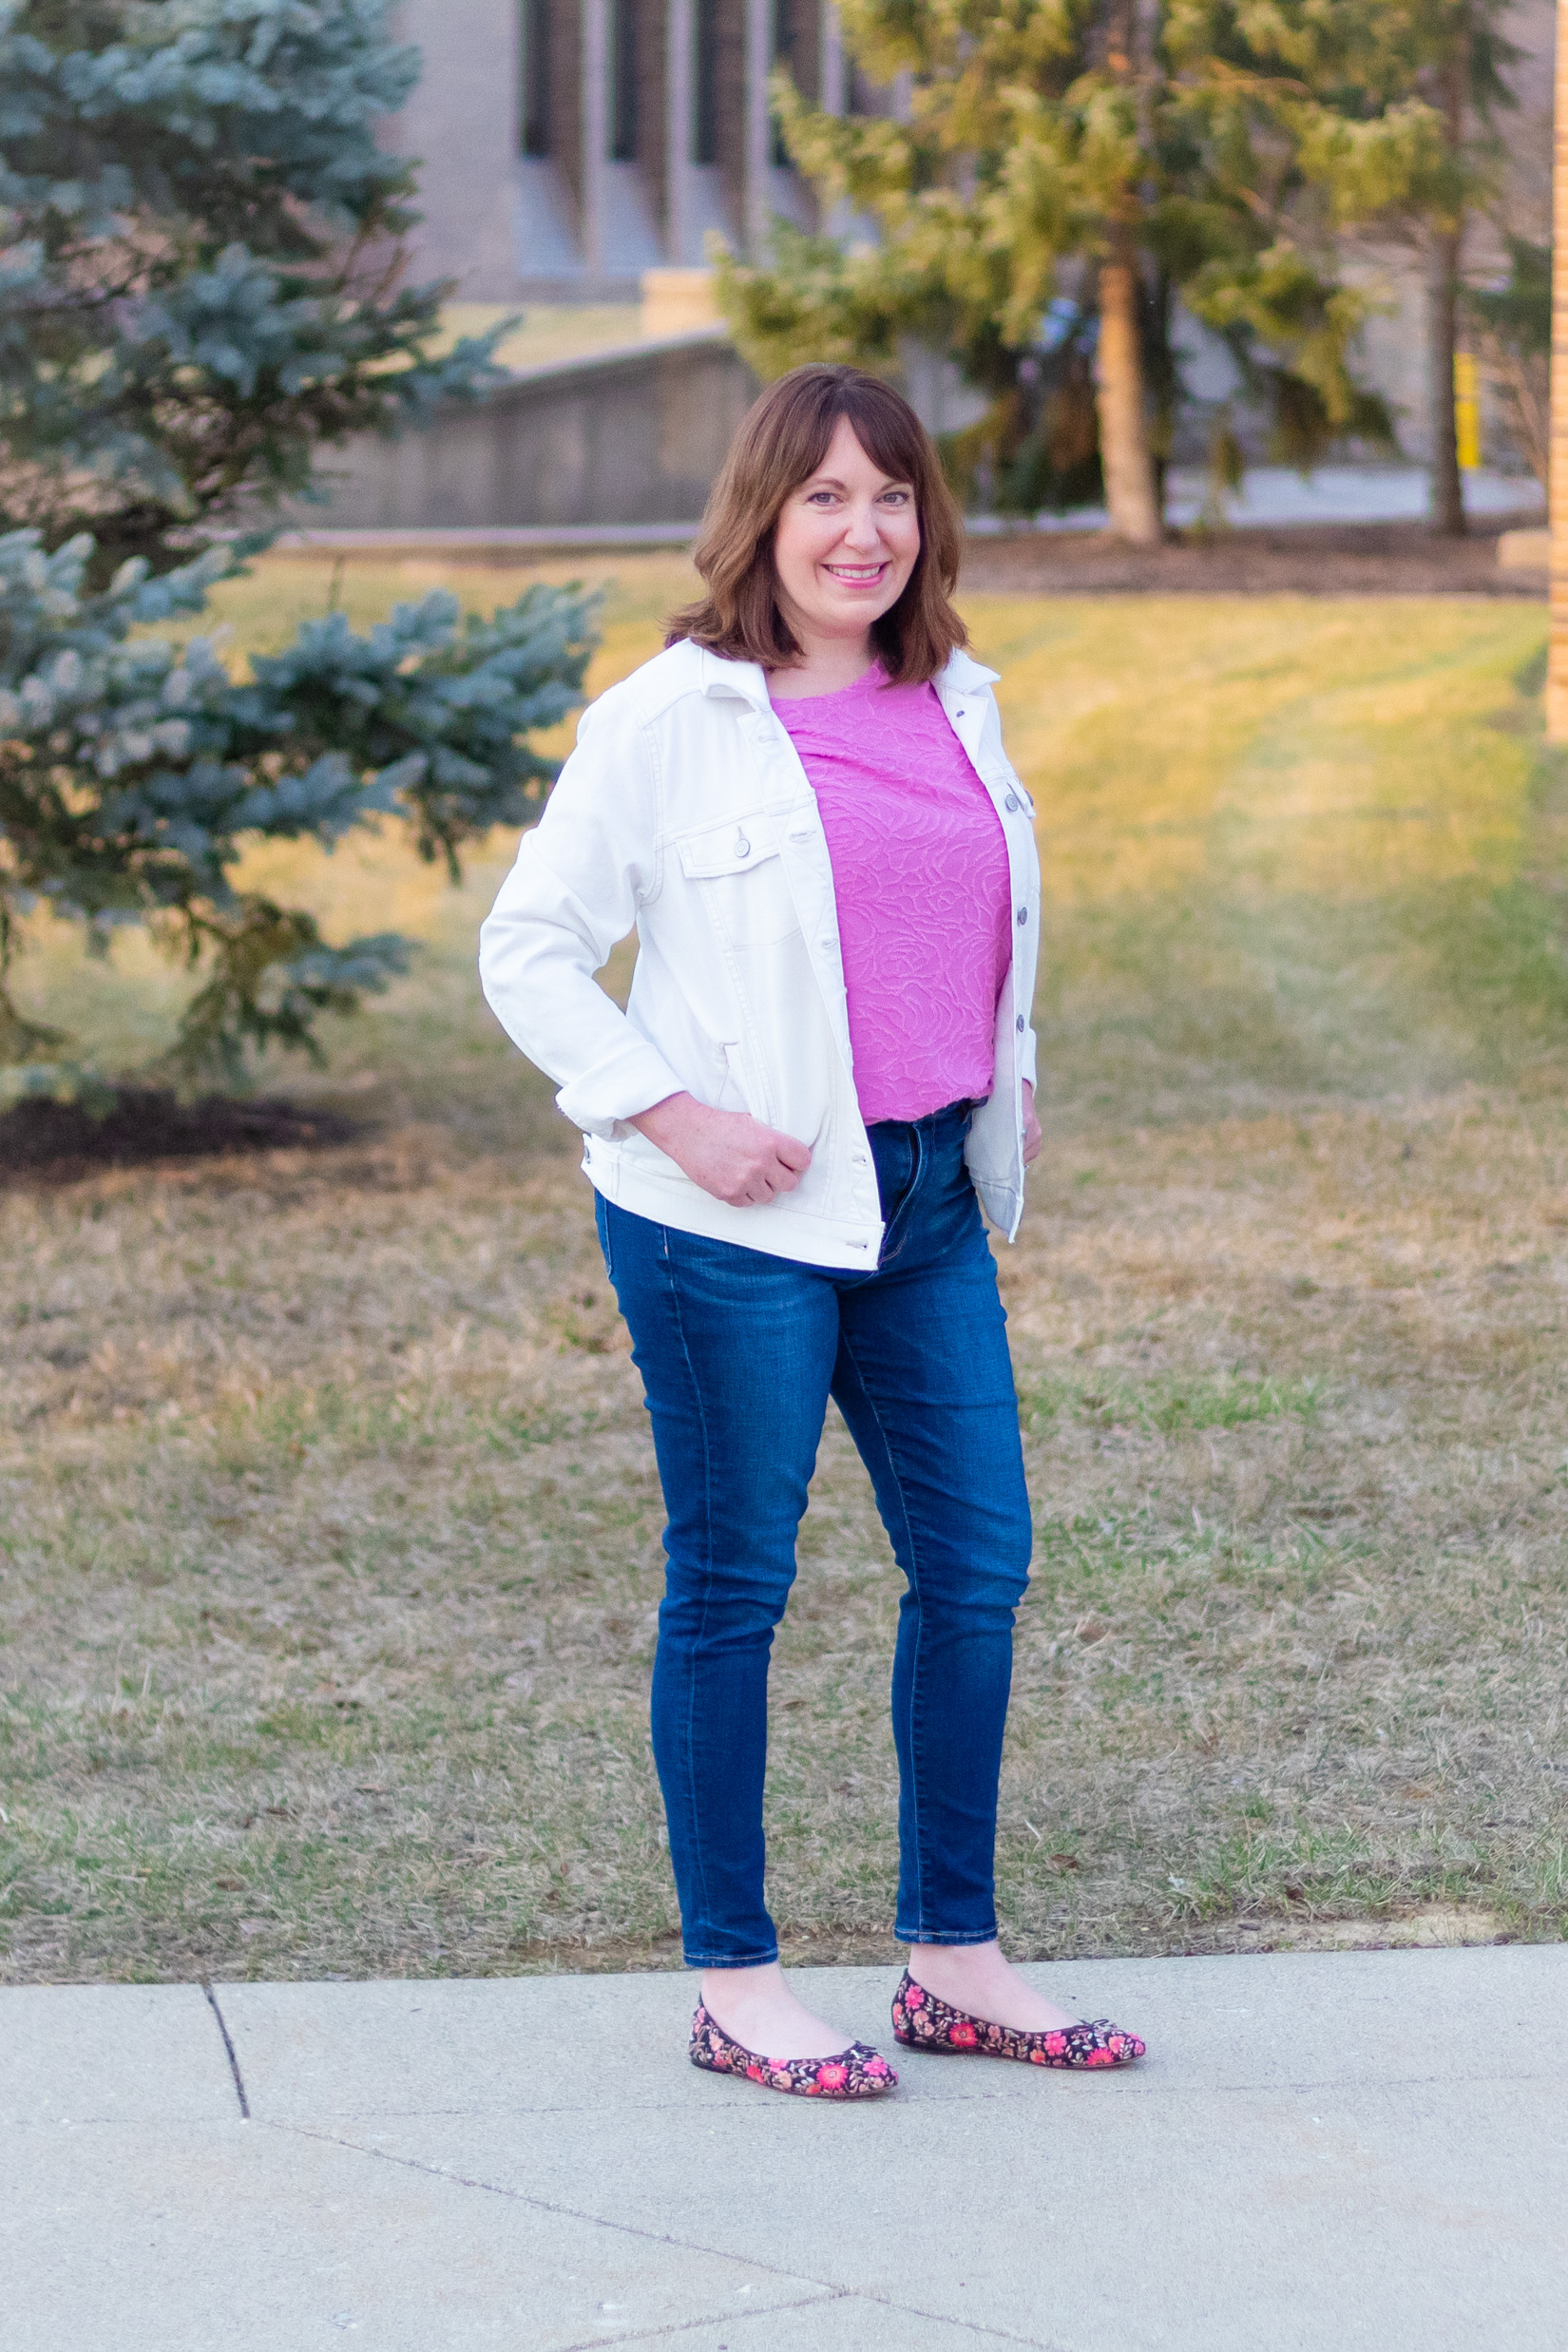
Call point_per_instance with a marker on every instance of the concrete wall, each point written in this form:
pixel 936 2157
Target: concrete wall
pixel 461 122
pixel 635 436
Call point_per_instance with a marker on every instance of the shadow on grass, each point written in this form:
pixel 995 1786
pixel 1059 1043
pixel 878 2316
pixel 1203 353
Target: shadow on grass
pixel 53 1143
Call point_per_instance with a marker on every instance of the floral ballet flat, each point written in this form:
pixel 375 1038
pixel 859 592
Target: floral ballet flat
pixel 857 2072
pixel 923 2022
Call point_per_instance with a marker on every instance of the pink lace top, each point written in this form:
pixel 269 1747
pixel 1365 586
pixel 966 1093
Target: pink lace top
pixel 925 899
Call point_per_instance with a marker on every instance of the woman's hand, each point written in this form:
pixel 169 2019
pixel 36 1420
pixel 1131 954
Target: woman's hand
pixel 1032 1136
pixel 728 1153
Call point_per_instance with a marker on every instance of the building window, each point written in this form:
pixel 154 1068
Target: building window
pixel 705 81
pixel 534 93
pixel 623 81
pixel 785 46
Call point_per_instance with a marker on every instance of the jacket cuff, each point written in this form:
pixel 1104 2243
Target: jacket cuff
pixel 633 1078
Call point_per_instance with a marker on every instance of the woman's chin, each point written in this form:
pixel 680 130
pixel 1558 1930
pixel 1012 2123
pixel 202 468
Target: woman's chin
pixel 853 609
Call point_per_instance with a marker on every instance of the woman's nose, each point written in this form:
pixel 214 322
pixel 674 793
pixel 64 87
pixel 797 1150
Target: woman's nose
pixel 863 528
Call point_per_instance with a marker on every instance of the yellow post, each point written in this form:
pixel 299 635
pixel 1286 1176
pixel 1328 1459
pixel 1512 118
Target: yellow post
pixel 1557 660
pixel 1466 411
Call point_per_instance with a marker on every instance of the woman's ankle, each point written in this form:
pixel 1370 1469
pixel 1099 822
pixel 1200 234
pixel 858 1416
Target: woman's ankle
pixel 955 1960
pixel 975 1978
pixel 758 2008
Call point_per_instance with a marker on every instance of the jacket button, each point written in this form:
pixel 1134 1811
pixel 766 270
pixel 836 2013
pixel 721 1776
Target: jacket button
pixel 1019 1024
pixel 1010 804
pixel 1023 917
pixel 743 849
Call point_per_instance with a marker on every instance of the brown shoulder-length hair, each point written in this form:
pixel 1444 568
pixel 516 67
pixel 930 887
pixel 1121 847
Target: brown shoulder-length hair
pixel 782 440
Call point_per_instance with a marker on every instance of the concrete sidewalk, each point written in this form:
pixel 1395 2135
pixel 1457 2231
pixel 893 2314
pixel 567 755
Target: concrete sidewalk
pixel 1322 2151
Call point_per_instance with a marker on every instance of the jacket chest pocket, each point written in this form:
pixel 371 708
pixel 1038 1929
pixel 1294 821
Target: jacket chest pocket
pixel 739 874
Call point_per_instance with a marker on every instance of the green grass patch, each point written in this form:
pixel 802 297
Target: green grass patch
pixel 1170 1404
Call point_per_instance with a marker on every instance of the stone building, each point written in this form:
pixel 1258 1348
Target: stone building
pixel 568 146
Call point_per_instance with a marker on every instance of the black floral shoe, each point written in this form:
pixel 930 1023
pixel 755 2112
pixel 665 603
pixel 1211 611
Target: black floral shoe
pixel 858 2073
pixel 923 2022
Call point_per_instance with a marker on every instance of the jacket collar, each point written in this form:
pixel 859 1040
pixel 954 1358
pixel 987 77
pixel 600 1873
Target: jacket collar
pixel 964 674
pixel 747 680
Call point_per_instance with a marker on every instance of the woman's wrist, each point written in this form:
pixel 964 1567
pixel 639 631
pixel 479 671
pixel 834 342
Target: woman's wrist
pixel 666 1119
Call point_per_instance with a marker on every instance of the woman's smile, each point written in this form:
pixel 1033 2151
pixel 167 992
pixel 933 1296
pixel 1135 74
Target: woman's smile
pixel 858 575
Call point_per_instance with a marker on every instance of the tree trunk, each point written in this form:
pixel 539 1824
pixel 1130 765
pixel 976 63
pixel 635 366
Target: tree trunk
pixel 1124 452
pixel 1557 659
pixel 1447 489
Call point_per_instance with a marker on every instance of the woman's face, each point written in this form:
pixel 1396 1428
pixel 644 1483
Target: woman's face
pixel 845 544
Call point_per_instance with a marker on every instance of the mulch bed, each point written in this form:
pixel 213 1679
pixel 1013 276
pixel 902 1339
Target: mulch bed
pixel 61 1142
pixel 1339 559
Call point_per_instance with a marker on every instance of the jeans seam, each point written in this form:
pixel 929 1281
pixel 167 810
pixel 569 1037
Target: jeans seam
pixel 848 1345
pixel 690 1738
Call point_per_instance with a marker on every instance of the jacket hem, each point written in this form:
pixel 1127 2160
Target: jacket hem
pixel 777 1230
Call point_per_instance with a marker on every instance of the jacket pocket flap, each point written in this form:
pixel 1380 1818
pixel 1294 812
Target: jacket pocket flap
pixel 731 849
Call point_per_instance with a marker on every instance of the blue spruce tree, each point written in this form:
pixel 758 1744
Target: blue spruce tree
pixel 199 290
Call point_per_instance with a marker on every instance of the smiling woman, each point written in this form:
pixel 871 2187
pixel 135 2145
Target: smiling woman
pixel 824 1071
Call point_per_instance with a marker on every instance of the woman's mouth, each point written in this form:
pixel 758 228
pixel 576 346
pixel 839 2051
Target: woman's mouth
pixel 857 575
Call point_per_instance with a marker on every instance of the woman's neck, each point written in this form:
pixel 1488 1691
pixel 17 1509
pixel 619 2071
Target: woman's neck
pixel 826 665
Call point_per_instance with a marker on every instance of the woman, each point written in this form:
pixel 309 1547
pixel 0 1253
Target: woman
pixel 803 807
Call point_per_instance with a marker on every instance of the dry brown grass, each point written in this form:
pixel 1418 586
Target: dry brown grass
pixel 328 1524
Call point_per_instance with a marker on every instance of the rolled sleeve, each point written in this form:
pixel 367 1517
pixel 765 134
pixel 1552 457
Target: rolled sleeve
pixel 631 1079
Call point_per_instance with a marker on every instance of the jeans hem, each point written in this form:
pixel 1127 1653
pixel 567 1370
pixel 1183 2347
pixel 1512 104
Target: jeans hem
pixel 727 1959
pixel 958 1936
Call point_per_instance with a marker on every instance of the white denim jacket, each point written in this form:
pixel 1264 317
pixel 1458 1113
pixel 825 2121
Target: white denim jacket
pixel 684 809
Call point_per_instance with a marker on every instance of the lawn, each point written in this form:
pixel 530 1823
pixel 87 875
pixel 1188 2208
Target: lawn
pixel 329 1531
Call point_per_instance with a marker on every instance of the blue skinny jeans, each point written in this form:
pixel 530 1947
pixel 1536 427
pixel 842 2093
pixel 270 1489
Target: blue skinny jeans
pixel 739 1352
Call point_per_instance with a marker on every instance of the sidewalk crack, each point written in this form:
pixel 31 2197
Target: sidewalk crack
pixel 727 2319
pixel 229 2051
pixel 836 2289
